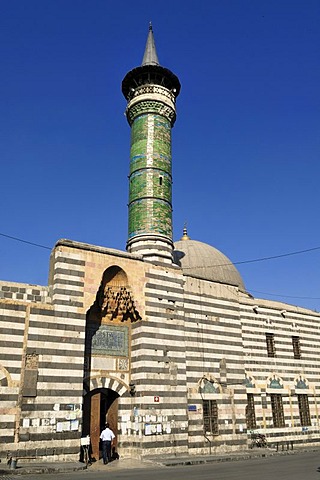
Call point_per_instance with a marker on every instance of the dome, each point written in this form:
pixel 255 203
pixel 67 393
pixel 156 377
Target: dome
pixel 200 260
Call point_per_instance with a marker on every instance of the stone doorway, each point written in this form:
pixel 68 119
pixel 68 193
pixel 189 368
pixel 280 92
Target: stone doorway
pixel 100 406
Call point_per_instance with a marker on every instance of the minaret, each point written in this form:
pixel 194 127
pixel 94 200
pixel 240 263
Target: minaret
pixel 150 91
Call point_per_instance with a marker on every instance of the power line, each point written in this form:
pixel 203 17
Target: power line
pixel 298 252
pixel 261 259
pixel 25 241
pixel 284 296
pixel 278 256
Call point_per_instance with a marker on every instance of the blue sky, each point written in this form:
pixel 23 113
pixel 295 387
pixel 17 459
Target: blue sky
pixel 245 145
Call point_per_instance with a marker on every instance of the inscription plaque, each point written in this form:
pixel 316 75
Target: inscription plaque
pixel 110 340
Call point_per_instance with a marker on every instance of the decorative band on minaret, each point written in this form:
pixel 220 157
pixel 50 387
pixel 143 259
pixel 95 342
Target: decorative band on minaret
pixel 151 91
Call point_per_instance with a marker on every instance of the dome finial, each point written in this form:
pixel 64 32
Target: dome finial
pixel 185 233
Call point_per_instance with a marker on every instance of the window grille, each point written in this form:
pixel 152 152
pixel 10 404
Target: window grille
pixel 210 416
pixel 277 411
pixel 304 410
pixel 250 413
pixel 296 347
pixel 270 345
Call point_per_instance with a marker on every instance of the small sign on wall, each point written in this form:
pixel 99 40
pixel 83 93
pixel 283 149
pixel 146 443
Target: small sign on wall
pixel 192 408
pixel 156 399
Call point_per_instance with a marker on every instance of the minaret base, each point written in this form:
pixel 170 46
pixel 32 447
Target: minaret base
pixel 153 248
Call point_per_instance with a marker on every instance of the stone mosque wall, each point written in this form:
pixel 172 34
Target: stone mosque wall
pixel 168 347
pixel 41 365
pixel 286 369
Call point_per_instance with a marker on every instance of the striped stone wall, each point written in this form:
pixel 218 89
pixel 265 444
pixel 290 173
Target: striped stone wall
pixel 158 365
pixel 24 292
pixel 41 363
pixel 191 341
pixel 290 376
pixel 214 354
pixel 12 320
pixel 77 271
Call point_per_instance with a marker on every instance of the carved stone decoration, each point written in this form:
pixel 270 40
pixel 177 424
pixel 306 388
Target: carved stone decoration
pixel 123 364
pixel 32 361
pixel 154 89
pixel 31 375
pixel 114 300
pixel 150 106
pixel 117 303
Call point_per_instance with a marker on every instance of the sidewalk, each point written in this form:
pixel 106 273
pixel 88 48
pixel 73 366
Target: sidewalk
pixel 67 467
pixel 147 462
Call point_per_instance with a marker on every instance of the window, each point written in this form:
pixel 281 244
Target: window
pixel 296 347
pixel 160 180
pixel 277 410
pixel 304 411
pixel 270 345
pixel 250 413
pixel 210 416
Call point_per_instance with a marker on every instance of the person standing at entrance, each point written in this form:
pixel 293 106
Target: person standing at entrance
pixel 106 437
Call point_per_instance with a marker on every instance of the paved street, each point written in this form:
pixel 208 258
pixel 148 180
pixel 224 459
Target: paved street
pixel 302 466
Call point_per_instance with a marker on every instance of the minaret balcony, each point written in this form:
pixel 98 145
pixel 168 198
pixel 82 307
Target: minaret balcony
pixel 153 90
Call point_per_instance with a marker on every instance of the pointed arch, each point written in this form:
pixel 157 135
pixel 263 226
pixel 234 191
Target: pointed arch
pixel 105 381
pixel 274 381
pixel 249 380
pixel 5 377
pixel 301 383
pixel 209 384
pixel 115 277
pixel 114 298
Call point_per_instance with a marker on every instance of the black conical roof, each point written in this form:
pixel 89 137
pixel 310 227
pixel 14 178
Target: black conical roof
pixel 150 56
pixel 150 71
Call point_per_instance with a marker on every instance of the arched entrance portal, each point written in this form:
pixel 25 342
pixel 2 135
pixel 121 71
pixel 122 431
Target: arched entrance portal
pixel 100 406
pixel 107 353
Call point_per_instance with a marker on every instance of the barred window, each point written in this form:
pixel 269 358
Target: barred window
pixel 304 410
pixel 250 413
pixel 270 345
pixel 296 347
pixel 210 416
pixel 277 410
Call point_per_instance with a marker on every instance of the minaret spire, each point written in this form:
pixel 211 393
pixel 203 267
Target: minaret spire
pixel 151 92
pixel 150 56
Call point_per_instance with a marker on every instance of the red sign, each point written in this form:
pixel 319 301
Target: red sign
pixel 156 399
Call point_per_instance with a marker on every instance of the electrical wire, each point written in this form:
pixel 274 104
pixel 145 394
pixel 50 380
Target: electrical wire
pixel 298 252
pixel 284 296
pixel 262 259
pixel 25 241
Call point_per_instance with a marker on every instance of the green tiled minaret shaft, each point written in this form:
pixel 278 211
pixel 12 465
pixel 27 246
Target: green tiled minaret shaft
pixel 150 91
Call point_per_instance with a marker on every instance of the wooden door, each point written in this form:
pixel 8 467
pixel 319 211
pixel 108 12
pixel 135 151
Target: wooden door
pixel 112 418
pixel 95 424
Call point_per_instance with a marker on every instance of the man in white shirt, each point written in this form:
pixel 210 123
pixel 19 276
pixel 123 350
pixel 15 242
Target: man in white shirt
pixel 106 438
